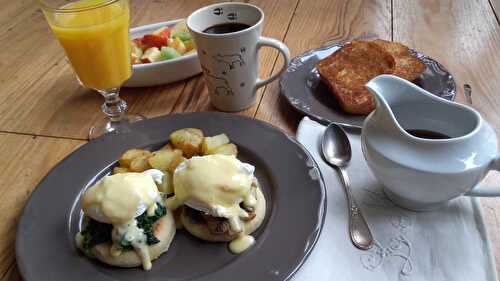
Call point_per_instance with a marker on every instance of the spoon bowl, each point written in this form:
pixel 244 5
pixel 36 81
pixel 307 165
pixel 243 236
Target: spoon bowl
pixel 335 146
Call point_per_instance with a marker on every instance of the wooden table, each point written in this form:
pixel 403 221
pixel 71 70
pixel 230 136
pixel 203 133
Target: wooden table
pixel 45 114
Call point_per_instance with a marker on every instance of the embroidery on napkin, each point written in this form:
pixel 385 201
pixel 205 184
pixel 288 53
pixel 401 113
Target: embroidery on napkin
pixel 398 246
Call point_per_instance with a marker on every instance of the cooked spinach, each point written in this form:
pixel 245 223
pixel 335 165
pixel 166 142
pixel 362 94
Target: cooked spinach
pixel 97 232
pixel 147 223
pixel 125 244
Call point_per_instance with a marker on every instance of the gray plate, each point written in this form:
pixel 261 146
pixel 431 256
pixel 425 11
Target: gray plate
pixel 302 87
pixel 293 187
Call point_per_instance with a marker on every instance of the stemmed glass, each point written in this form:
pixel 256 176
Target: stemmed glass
pixel 95 37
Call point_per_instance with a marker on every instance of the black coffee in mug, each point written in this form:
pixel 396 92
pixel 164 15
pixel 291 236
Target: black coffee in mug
pixel 226 28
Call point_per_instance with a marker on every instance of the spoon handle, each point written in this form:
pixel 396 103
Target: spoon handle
pixel 359 231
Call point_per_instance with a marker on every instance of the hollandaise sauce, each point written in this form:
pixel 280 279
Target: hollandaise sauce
pixel 240 244
pixel 131 234
pixel 122 200
pixel 216 185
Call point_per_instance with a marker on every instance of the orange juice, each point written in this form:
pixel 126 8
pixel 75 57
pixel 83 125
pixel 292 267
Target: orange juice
pixel 96 41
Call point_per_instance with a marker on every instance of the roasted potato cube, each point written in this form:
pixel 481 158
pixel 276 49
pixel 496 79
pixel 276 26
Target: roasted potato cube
pixel 166 159
pixel 167 185
pixel 168 146
pixel 120 170
pixel 226 149
pixel 140 164
pixel 211 143
pixel 188 140
pixel 130 154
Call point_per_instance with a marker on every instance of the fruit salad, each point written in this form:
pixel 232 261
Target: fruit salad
pixel 165 43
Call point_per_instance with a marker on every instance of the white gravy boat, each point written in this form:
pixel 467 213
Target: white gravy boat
pixel 420 173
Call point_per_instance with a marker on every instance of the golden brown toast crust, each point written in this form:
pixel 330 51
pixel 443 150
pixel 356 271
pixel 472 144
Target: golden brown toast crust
pixel 349 69
pixel 407 66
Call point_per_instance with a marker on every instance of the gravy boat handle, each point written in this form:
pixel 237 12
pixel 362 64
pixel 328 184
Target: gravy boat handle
pixel 487 191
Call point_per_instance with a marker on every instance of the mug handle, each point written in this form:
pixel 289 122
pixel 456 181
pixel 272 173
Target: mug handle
pixel 487 191
pixel 282 48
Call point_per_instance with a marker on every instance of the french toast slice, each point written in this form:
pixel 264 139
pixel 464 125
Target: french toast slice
pixel 407 66
pixel 348 70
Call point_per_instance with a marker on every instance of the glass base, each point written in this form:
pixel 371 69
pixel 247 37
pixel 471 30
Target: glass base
pixel 107 126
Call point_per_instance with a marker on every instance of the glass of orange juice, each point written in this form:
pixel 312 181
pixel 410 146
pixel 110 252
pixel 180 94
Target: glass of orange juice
pixel 95 36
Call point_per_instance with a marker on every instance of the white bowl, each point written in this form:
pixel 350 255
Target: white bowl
pixel 161 72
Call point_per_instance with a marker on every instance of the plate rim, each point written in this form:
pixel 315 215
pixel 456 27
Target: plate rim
pixel 24 267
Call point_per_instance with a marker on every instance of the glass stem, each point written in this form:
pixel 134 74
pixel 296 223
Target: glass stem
pixel 114 107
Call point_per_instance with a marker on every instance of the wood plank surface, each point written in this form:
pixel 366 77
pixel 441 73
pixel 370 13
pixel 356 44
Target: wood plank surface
pixel 25 161
pixel 333 21
pixel 12 274
pixel 56 105
pixel 28 52
pixel 39 92
pixel 13 12
pixel 465 37
pixel 470 48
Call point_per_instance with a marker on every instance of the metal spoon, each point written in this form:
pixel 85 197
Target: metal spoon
pixel 337 152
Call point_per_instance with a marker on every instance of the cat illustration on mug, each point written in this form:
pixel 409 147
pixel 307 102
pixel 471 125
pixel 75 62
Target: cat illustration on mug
pixel 218 84
pixel 230 60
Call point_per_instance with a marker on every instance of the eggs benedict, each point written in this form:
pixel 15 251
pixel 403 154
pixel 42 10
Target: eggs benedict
pixel 220 199
pixel 125 221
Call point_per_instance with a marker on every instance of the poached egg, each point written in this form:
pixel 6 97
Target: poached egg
pixel 216 185
pixel 119 198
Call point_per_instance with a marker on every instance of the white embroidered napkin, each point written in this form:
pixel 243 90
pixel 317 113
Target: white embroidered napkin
pixel 446 245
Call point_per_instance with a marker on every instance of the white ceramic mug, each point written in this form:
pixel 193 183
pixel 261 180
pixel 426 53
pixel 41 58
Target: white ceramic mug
pixel 230 61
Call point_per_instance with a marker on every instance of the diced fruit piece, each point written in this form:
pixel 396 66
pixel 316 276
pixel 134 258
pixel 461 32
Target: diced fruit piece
pixel 136 53
pixel 169 53
pixel 130 154
pixel 189 45
pixel 188 140
pixel 184 36
pixel 151 55
pixel 158 31
pixel 226 149
pixel 163 32
pixel 134 59
pixel 137 42
pixel 166 159
pixel 120 170
pixel 211 143
pixel 154 40
pixel 140 164
pixel 179 45
pixel 179 27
